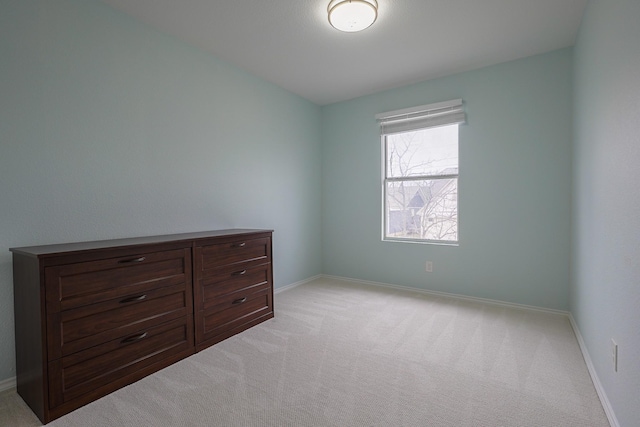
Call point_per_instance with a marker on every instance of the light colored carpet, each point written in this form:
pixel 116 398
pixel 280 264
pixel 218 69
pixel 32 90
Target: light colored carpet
pixel 345 354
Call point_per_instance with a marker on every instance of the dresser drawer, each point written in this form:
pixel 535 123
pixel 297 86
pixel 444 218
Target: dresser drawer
pixel 226 280
pixel 233 311
pixel 84 327
pixel 94 369
pixel 237 251
pixel 79 284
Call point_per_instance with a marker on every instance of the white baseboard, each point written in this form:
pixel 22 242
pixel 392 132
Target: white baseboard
pixel 293 285
pixel 606 405
pixel 450 295
pixel 8 384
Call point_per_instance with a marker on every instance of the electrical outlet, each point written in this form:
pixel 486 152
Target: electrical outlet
pixel 614 355
pixel 429 267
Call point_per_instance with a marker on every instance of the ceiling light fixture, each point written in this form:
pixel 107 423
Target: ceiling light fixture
pixel 352 15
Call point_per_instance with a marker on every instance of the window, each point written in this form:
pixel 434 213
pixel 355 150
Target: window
pixel 421 172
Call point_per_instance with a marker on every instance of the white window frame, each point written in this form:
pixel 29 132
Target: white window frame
pixel 415 119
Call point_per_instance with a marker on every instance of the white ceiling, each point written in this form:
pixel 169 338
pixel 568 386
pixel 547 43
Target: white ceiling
pixel 290 42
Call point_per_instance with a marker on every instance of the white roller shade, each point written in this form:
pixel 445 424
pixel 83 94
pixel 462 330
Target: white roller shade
pixel 421 117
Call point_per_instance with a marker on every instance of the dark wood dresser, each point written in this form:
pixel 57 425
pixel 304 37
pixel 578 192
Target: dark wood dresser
pixel 92 317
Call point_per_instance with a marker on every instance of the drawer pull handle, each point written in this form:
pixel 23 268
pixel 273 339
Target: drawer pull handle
pixel 239 245
pixel 240 300
pixel 132 260
pixel 134 338
pixel 132 299
pixel 239 273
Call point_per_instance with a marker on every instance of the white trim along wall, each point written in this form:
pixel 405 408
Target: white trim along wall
pixel 585 354
pixel 10 383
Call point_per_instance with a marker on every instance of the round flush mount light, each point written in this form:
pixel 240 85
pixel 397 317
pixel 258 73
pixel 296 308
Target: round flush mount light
pixel 352 15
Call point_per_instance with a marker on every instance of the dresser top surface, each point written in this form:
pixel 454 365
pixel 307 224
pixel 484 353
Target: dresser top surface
pixel 57 249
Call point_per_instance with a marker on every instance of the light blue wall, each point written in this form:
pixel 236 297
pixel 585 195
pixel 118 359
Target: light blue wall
pixel 514 188
pixel 605 291
pixel 109 129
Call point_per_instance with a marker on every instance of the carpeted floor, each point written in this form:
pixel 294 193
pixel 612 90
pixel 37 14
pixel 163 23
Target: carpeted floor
pixel 345 354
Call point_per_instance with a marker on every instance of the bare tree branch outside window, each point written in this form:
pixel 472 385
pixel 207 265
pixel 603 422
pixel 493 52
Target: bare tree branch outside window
pixel 421 184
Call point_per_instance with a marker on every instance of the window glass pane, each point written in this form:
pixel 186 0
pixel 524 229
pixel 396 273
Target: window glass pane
pixel 423 209
pixel 432 151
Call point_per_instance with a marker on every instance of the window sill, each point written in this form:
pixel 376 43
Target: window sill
pixel 421 242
